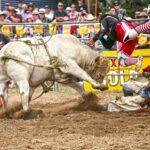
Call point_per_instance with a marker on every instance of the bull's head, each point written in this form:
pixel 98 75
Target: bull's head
pixel 100 68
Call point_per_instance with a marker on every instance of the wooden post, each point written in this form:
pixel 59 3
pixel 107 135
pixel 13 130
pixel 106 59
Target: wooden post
pixel 96 7
pixel 89 6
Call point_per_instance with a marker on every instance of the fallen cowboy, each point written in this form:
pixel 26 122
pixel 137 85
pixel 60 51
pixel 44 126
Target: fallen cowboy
pixel 136 95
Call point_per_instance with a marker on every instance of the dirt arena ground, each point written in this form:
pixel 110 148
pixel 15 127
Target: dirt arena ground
pixel 65 126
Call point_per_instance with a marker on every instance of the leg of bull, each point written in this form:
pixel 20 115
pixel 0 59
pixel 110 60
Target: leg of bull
pixel 24 92
pixel 73 69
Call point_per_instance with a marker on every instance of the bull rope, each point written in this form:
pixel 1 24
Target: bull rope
pixel 52 66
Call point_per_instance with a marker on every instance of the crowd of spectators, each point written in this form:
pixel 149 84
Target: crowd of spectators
pixel 29 13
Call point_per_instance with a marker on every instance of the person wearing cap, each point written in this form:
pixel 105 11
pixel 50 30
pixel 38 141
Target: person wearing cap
pixel 36 18
pixel 60 15
pixel 13 16
pixel 49 14
pixel 3 18
pixel 42 15
pixel 68 10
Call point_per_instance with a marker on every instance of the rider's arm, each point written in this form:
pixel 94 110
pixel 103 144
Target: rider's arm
pixel 107 43
pixel 104 29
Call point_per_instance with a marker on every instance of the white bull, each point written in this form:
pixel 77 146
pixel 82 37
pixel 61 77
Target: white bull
pixel 77 62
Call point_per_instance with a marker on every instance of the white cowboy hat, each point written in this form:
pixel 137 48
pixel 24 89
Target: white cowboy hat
pixel 68 9
pixel 41 11
pixel 90 17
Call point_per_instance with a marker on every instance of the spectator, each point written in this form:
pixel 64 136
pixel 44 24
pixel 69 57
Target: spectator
pixel 112 12
pixel 7 5
pixel 29 29
pixel 73 15
pixel 3 18
pixel 31 7
pixel 43 19
pixel 36 18
pixel 42 15
pixel 137 14
pixel 60 14
pixel 145 10
pixel 81 6
pixel 49 14
pixel 82 17
pixel 19 10
pixel 13 16
pixel 119 10
pixel 68 10
pixel 24 14
pixel 143 16
pixel 29 18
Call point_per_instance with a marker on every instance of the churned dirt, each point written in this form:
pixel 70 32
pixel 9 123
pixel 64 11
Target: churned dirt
pixel 66 123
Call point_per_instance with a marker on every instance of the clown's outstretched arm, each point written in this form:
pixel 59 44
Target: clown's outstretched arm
pixel 139 29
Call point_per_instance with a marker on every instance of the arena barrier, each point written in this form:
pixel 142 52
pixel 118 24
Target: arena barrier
pixel 46 29
pixel 119 75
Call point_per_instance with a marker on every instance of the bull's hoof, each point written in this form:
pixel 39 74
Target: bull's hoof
pixel 30 114
pixel 104 87
pixel 101 87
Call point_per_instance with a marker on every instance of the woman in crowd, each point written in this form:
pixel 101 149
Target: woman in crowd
pixel 73 15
